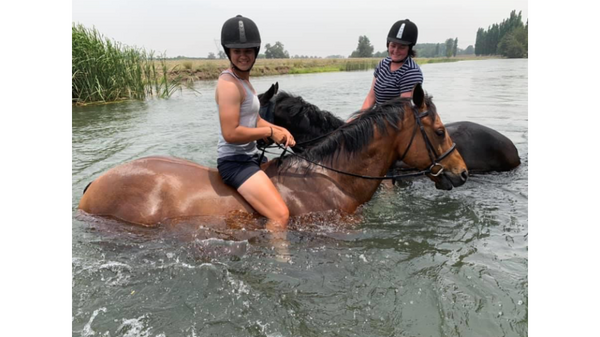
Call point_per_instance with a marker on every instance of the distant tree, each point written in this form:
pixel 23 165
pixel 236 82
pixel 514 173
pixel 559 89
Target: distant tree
pixel 470 50
pixel 335 57
pixel 381 54
pixel 479 41
pixel 222 55
pixel 455 48
pixel 514 44
pixel 364 48
pixel 276 51
pixel 211 56
pixel 430 49
pixel 261 56
pixel 449 47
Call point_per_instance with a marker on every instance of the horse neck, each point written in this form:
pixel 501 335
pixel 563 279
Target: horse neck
pixel 372 161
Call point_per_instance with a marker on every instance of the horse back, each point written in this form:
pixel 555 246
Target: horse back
pixel 151 190
pixel 483 149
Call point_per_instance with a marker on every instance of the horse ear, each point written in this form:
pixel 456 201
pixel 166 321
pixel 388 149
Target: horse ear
pixel 266 97
pixel 418 95
pixel 276 87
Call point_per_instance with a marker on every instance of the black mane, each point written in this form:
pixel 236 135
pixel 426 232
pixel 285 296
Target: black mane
pixel 296 108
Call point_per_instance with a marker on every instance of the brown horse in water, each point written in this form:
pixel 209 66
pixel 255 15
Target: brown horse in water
pixel 154 190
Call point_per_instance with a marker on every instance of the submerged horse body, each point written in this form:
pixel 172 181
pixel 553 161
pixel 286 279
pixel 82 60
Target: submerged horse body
pixel 483 149
pixel 152 190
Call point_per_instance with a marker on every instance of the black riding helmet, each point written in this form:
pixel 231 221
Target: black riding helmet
pixel 404 32
pixel 240 32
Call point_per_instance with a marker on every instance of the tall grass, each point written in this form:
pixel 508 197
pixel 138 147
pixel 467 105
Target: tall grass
pixel 107 71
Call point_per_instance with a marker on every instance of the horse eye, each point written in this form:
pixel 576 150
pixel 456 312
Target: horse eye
pixel 440 132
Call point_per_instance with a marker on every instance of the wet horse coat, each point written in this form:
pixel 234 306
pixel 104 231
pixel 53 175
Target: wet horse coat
pixel 483 149
pixel 153 190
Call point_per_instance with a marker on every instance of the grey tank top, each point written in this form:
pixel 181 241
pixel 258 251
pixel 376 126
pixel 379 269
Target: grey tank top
pixel 248 117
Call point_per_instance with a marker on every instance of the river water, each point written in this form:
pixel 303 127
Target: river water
pixel 419 262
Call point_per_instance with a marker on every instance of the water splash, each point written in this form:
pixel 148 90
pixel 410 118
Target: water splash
pixel 87 329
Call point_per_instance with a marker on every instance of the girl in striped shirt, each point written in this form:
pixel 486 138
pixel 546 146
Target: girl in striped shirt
pixel 396 75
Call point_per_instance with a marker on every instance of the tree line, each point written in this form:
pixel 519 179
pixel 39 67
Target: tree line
pixel 509 38
pixel 447 49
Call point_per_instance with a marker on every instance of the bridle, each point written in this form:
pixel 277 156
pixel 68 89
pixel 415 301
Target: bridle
pixel 435 159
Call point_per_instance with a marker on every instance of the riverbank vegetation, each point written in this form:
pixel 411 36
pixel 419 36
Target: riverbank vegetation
pixel 209 69
pixel 107 71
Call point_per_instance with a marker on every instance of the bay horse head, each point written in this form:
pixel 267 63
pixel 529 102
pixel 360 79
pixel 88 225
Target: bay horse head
pixel 422 141
pixel 430 144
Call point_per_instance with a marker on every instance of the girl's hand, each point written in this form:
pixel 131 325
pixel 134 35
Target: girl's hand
pixel 283 136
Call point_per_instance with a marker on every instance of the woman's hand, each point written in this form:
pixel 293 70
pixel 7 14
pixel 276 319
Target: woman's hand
pixel 283 136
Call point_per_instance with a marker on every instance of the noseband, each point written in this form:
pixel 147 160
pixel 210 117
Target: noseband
pixel 435 159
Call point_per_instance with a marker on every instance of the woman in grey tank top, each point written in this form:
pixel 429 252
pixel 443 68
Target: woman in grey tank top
pixel 241 125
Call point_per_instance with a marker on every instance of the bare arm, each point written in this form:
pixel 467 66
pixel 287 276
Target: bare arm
pixel 370 99
pixel 229 98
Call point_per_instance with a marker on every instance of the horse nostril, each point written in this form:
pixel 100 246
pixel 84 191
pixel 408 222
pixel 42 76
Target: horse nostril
pixel 464 175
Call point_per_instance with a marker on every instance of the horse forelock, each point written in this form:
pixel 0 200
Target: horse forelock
pixel 352 137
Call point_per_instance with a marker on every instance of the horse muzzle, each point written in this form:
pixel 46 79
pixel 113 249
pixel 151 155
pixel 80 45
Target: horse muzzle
pixel 446 180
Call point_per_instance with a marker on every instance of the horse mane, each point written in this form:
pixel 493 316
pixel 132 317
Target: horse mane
pixel 352 137
pixel 348 138
pixel 296 107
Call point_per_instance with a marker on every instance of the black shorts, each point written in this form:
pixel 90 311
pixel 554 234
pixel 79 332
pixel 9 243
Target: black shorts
pixel 235 170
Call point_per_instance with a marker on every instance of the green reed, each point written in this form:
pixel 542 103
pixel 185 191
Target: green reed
pixel 107 71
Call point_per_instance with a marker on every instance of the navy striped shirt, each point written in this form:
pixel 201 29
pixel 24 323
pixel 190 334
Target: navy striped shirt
pixel 390 84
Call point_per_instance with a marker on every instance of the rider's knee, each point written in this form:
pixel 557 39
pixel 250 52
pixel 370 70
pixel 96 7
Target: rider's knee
pixel 282 215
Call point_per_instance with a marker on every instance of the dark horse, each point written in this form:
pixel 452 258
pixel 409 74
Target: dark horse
pixel 483 149
pixel 154 190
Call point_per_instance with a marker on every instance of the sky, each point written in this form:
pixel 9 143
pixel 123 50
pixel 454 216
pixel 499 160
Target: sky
pixel 321 28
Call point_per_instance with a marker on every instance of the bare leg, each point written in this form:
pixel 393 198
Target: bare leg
pixel 260 192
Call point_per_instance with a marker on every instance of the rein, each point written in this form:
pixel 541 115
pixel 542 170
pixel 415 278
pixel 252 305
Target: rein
pixel 435 159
